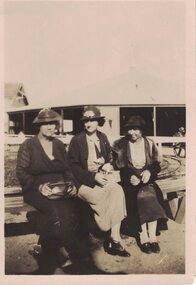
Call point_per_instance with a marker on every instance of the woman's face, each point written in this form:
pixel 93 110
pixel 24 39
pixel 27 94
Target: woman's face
pixel 90 125
pixel 48 129
pixel 135 134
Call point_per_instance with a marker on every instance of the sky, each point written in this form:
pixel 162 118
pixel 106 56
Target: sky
pixel 55 48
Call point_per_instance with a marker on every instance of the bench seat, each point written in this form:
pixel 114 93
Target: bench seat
pixel 173 190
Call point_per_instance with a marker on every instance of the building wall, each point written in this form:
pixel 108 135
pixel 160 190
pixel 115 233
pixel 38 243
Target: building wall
pixel 160 120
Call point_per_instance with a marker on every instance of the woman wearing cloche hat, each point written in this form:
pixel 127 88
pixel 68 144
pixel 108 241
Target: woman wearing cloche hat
pixel 90 157
pixel 48 185
pixel 138 159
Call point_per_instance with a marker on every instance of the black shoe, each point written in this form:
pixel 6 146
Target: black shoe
pixel 145 247
pixel 115 248
pixel 155 247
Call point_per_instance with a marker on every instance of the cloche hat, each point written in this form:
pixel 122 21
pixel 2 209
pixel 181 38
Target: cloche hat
pixel 47 115
pixel 91 112
pixel 135 121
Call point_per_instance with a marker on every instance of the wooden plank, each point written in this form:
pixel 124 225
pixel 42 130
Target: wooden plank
pixel 16 218
pixel 12 202
pixel 16 205
pixel 171 185
pixel 12 190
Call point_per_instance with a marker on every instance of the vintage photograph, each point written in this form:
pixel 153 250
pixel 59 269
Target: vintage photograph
pixel 95 189
pixel 95 128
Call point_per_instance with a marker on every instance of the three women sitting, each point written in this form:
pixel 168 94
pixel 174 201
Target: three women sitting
pixel 42 162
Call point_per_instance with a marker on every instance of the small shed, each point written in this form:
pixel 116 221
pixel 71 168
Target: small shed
pixel 14 97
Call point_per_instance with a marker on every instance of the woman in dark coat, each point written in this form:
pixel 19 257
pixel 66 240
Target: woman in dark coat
pixel 90 157
pixel 138 159
pixel 42 162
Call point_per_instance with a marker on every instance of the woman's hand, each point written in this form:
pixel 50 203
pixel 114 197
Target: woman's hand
pixel 101 179
pixel 72 191
pixel 107 167
pixel 134 180
pixel 145 176
pixel 45 190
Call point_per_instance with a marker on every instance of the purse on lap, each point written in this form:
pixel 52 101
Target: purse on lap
pixel 60 190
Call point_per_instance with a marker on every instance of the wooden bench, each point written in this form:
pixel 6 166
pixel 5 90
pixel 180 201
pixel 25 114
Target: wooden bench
pixel 173 189
pixel 17 223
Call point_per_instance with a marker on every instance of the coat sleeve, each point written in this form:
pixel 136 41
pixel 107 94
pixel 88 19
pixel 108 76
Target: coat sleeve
pixel 108 150
pixel 155 167
pixel 23 162
pixel 117 155
pixel 69 176
pixel 82 175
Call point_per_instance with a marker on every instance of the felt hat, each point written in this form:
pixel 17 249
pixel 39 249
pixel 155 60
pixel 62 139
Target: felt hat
pixel 135 122
pixel 47 115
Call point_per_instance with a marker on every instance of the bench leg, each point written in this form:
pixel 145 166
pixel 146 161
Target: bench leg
pixel 180 216
pixel 173 204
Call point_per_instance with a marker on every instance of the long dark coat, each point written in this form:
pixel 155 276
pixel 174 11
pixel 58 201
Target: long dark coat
pixel 123 162
pixel 59 219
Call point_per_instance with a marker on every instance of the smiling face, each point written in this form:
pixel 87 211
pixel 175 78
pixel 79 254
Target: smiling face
pixel 134 134
pixel 47 129
pixel 90 125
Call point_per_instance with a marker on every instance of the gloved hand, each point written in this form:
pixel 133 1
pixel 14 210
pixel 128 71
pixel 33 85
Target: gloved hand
pixel 101 179
pixel 107 167
pixel 145 176
pixel 72 191
pixel 134 180
pixel 45 190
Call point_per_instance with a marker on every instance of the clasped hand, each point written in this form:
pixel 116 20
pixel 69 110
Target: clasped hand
pixel 101 179
pixel 46 191
pixel 145 176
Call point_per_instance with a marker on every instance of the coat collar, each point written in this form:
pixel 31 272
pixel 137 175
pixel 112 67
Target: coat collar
pixel 84 146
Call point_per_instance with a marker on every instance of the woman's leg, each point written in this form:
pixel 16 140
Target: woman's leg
pixel 115 233
pixel 58 224
pixel 108 204
pixel 144 238
pixel 152 226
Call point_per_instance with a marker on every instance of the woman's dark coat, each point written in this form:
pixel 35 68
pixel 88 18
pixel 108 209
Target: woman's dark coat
pixel 78 156
pixel 122 158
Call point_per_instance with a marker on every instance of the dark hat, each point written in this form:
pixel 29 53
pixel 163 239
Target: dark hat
pixel 47 115
pixel 91 113
pixel 135 121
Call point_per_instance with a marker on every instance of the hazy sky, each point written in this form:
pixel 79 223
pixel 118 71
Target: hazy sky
pixel 56 47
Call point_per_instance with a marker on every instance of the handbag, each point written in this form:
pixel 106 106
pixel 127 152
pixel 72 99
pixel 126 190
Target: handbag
pixel 146 191
pixel 60 190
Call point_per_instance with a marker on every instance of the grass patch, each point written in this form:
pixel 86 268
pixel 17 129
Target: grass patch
pixel 10 159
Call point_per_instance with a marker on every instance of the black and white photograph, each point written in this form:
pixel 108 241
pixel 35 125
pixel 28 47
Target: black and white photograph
pixel 95 141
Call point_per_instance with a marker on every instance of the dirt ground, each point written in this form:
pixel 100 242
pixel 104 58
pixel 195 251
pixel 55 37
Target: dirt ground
pixel 169 261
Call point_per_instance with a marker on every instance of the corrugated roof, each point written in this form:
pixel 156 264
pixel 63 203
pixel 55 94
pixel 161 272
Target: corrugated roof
pixel 133 87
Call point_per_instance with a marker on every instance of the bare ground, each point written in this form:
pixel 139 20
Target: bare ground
pixel 169 261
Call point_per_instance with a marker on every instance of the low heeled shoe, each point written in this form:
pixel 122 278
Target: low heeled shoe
pixel 115 248
pixel 155 247
pixel 145 247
